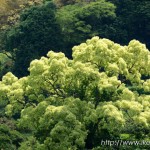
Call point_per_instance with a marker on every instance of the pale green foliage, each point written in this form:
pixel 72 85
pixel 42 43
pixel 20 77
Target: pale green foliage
pixel 5 85
pixel 112 117
pixel 62 100
pixel 53 121
pixel 147 85
pixel 3 58
pixel 131 61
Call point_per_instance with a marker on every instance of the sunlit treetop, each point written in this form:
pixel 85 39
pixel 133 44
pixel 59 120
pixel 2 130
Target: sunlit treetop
pixel 128 62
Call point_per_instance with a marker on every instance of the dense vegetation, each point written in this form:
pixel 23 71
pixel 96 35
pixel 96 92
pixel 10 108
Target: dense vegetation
pixel 33 27
pixel 56 97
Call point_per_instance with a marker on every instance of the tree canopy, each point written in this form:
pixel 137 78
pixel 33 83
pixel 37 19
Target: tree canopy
pixel 85 20
pixel 131 21
pixel 74 104
pixel 36 33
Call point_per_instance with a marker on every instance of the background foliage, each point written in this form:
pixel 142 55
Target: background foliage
pixel 67 23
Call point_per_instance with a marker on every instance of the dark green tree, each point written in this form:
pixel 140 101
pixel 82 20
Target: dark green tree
pixel 36 34
pixel 10 138
pixel 132 21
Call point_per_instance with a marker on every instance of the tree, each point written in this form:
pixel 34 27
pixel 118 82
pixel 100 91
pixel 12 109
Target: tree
pixel 85 20
pixel 131 21
pixel 34 36
pixel 9 138
pixel 75 104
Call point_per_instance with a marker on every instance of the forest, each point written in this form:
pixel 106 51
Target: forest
pixel 74 75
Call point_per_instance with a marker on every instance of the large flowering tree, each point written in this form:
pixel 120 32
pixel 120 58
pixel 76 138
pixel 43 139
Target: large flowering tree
pixel 103 93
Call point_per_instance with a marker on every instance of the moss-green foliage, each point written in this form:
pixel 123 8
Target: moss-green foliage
pixel 10 138
pixel 83 20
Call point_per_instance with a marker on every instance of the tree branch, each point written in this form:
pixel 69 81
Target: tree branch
pixel 10 57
